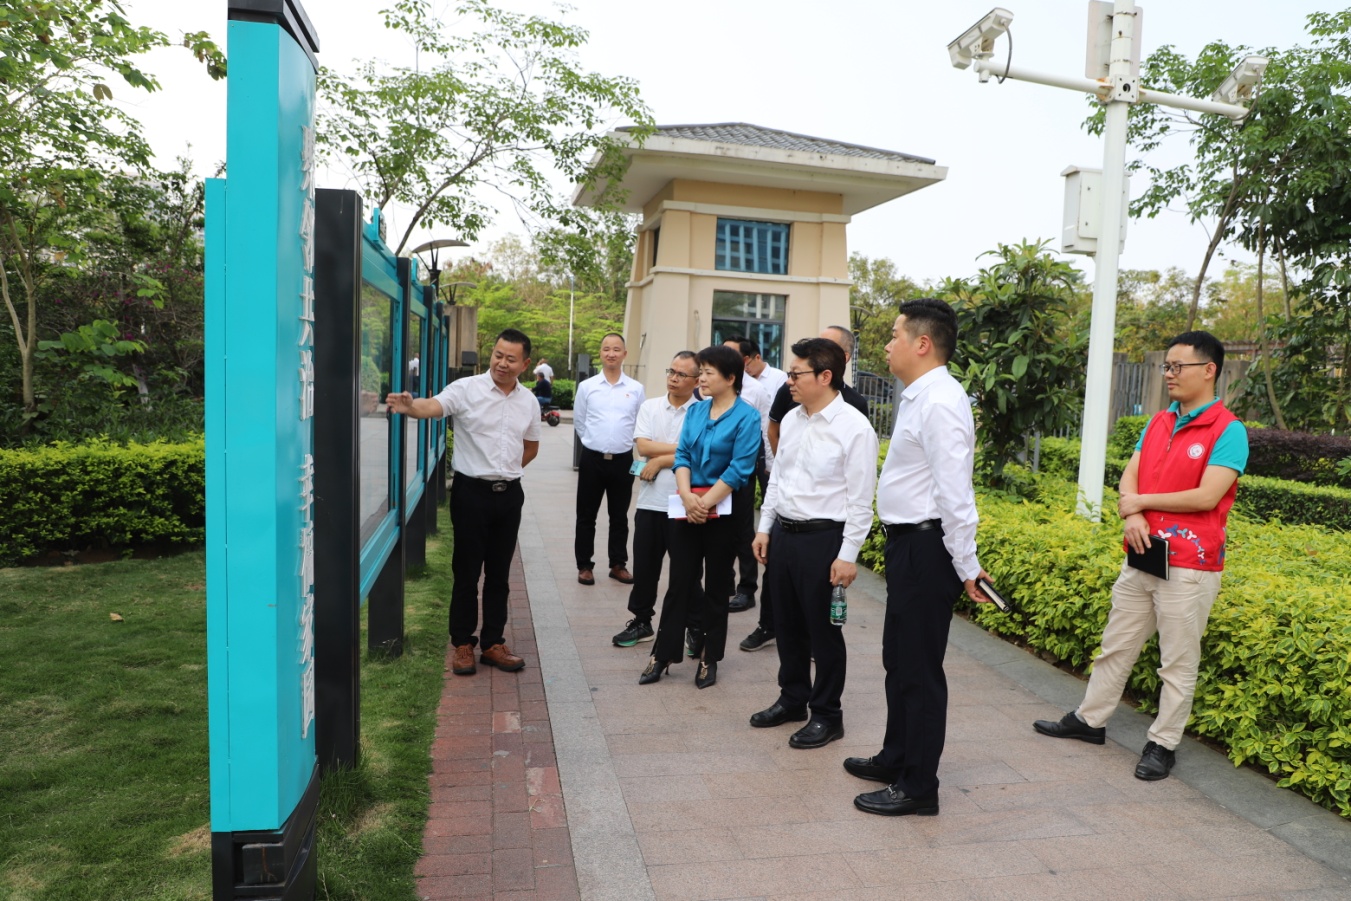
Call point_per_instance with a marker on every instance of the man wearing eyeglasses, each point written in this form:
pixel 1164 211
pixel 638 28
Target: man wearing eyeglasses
pixel 763 633
pixel 815 517
pixel 1179 486
pixel 655 435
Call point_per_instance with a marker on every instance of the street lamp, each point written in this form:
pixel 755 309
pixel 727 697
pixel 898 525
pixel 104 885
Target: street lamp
pixel 1113 77
pixel 572 295
pixel 433 271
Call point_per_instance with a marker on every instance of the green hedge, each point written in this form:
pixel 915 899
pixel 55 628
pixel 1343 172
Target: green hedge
pixel 564 391
pixel 70 497
pixel 1274 688
pixel 1262 499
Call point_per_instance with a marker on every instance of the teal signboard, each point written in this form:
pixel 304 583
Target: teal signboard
pixel 259 427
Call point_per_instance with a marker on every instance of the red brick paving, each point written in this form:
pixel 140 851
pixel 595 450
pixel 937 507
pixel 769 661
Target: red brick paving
pixel 497 828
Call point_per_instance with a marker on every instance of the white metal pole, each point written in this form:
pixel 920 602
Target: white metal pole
pixel 1102 326
pixel 572 294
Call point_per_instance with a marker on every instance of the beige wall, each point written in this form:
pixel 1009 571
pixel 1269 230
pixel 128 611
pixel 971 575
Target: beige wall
pixel 670 304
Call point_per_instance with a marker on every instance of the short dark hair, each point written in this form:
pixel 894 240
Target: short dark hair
pixel 614 335
pixel 935 318
pixel 822 354
pixel 1206 346
pixel 845 332
pixel 748 347
pixel 514 336
pixel 685 355
pixel 726 361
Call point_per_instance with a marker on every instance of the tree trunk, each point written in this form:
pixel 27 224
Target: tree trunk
pixel 1262 334
pixel 27 343
pixel 1285 279
pixel 1220 226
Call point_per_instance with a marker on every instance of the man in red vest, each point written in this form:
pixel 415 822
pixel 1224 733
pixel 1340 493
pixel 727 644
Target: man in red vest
pixel 1179 485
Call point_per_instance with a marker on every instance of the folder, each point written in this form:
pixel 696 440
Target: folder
pixel 1154 560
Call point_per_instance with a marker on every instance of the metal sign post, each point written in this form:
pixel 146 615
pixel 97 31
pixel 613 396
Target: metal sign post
pixel 260 465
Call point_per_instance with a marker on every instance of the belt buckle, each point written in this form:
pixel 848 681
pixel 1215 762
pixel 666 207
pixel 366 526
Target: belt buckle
pixel 499 487
pixel 607 456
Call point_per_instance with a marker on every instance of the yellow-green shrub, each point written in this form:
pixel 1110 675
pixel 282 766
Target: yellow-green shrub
pixel 1274 687
pixel 100 494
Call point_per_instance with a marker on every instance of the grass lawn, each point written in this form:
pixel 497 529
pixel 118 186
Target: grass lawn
pixel 103 747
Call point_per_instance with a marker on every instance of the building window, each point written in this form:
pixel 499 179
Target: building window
pixel 758 317
pixel 745 246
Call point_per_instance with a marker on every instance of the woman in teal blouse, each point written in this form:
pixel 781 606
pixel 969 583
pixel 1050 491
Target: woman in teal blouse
pixel 714 457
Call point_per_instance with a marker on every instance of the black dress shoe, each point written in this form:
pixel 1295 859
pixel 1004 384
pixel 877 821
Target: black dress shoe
pixel 889 802
pixel 741 602
pixel 1154 763
pixel 776 715
pixel 869 768
pixel 1070 726
pixel 816 734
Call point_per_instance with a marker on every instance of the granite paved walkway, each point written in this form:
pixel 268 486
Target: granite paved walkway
pixel 667 793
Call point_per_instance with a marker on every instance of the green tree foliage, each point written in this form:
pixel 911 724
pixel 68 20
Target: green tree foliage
pixel 596 250
pixel 1277 184
pixel 515 289
pixel 877 291
pixel 1017 354
pixel 1151 308
pixel 61 136
pixel 495 102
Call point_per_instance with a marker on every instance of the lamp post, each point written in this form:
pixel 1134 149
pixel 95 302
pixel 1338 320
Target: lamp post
pixel 572 295
pixel 434 271
pixel 1113 77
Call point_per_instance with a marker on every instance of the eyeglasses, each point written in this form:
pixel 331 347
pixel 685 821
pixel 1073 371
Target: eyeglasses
pixel 1176 368
pixel 680 375
pixel 795 374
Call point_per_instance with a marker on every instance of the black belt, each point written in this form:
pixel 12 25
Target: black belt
pixel 904 528
pixel 497 485
pixel 808 525
pixel 604 456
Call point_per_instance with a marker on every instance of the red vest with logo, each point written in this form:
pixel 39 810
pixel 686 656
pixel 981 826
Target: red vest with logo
pixel 1175 462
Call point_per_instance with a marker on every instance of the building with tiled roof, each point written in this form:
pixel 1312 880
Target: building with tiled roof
pixel 743 230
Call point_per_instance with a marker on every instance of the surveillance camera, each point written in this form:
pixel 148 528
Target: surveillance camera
pixel 977 42
pixel 1238 87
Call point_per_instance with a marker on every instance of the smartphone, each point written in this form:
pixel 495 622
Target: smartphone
pixel 999 601
pixel 637 467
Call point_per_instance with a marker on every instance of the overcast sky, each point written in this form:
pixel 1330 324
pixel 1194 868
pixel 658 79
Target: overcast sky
pixel 861 71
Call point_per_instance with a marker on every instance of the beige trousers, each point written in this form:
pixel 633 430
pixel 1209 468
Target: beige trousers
pixel 1177 608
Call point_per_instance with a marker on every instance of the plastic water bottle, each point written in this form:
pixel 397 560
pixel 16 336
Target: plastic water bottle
pixel 839 607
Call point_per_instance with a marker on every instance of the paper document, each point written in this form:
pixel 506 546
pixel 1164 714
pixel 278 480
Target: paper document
pixel 675 507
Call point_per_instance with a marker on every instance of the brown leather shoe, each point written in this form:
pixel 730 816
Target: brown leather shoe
pixel 620 574
pixel 500 657
pixel 586 577
pixel 462 664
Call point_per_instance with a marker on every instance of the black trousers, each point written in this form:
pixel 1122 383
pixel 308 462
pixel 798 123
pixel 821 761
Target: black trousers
pixel 921 589
pixel 744 502
pixel 705 551
pixel 798 573
pixel 485 524
pixel 598 477
pixel 651 538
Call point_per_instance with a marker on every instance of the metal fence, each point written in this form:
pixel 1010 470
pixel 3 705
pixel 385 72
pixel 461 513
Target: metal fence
pixel 880 392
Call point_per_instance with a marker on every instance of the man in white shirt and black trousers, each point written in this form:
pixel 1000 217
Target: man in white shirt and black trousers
pixel 763 633
pixel 604 413
pixel 927 504
pixel 496 436
pixel 815 516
